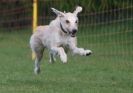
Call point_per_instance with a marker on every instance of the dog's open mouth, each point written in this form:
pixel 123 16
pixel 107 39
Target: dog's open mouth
pixel 73 34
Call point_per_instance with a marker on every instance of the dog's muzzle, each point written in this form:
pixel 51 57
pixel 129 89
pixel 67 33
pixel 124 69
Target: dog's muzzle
pixel 73 33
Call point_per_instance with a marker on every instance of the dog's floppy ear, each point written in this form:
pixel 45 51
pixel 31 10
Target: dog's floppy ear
pixel 57 12
pixel 78 10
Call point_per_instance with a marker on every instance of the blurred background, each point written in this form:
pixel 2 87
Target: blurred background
pixel 18 13
pixel 105 27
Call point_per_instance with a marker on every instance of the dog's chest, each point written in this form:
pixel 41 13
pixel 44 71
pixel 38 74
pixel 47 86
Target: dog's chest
pixel 56 39
pixel 63 40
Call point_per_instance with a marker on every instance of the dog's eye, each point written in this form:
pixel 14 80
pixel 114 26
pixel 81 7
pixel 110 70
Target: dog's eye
pixel 67 21
pixel 76 21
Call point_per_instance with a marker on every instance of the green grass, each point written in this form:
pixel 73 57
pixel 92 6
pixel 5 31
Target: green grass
pixel 108 70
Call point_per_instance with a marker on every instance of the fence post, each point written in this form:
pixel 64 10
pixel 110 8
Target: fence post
pixel 34 22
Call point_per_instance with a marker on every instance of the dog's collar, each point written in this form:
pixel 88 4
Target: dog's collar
pixel 63 29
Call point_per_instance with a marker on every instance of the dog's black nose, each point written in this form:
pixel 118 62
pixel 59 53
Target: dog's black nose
pixel 74 31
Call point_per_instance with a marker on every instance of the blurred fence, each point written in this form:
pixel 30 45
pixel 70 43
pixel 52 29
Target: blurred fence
pixel 18 13
pixel 106 26
pixel 15 14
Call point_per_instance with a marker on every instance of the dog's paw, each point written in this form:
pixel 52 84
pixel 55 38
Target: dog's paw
pixel 63 58
pixel 88 52
pixel 37 71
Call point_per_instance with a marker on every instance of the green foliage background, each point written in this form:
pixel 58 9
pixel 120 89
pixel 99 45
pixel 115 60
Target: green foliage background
pixel 19 12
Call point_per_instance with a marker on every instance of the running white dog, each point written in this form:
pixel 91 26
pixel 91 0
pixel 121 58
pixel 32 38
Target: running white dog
pixel 56 36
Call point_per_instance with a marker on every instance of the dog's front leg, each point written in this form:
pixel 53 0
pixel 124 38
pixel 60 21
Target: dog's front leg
pixel 81 51
pixel 59 51
pixel 76 50
pixel 52 57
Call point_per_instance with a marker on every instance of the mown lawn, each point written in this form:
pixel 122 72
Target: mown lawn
pixel 108 70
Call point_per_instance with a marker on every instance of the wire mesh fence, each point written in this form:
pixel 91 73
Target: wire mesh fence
pixel 106 30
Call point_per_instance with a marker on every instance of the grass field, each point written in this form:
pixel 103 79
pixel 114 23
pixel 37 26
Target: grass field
pixel 108 70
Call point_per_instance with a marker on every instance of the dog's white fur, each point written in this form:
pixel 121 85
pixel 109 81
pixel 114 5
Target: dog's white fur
pixel 55 40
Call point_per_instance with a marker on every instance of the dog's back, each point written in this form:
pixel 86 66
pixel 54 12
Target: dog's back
pixel 41 29
pixel 36 38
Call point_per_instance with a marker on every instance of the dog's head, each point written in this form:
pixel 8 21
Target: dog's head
pixel 68 21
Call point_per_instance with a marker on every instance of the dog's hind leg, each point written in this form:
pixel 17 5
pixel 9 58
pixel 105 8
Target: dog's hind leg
pixel 39 54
